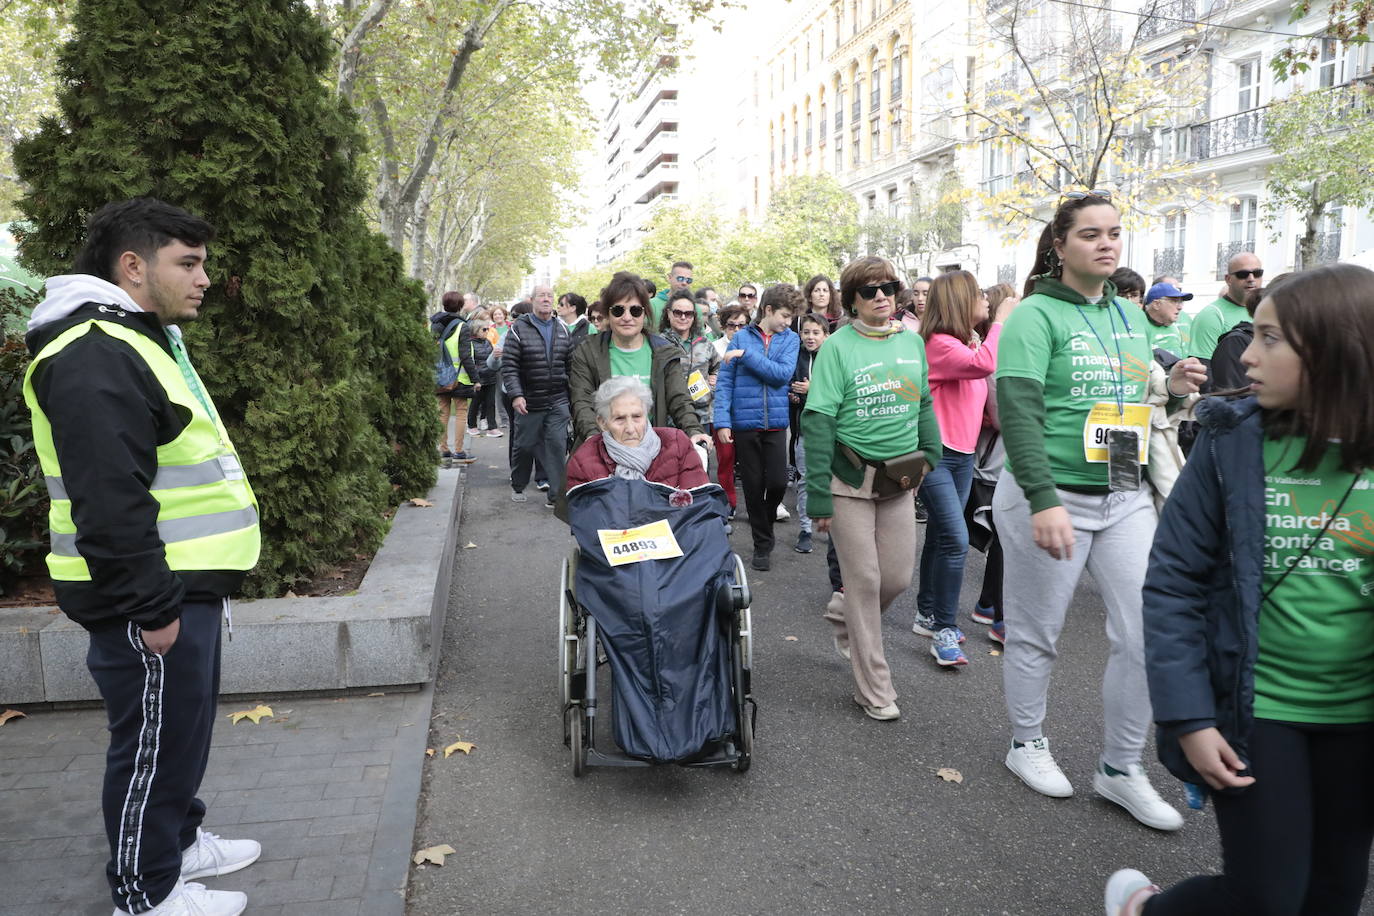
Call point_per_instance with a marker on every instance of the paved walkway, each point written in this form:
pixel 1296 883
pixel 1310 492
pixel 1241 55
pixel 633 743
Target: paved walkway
pixel 328 786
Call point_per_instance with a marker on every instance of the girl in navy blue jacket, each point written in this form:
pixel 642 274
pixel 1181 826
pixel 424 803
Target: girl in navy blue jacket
pixel 751 409
pixel 1259 620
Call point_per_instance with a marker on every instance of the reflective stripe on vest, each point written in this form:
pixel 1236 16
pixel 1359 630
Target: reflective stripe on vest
pixel 207 514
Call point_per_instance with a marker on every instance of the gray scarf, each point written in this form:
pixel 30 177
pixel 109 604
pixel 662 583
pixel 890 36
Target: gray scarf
pixel 632 461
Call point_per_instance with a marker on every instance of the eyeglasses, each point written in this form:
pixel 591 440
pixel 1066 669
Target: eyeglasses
pixel 1095 192
pixel 1247 274
pixel 683 279
pixel 744 295
pixel 888 289
pixel 735 324
pixel 679 313
pixel 636 311
pixel 597 317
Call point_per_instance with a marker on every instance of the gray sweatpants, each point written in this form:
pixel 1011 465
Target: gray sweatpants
pixel 1113 536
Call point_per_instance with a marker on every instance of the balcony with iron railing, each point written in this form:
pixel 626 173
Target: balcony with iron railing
pixel 1328 250
pixel 1166 16
pixel 1228 250
pixel 1224 136
pixel 1005 83
pixel 1168 262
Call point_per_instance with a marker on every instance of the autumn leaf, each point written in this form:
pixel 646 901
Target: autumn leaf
pixel 422 503
pixel 433 854
pixel 950 775
pixel 11 714
pixel 429 752
pixel 256 714
pixel 995 652
pixel 789 639
pixel 464 746
pixel 469 546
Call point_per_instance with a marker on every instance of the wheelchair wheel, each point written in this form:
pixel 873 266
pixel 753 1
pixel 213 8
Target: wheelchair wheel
pixel 569 642
pixel 746 741
pixel 577 740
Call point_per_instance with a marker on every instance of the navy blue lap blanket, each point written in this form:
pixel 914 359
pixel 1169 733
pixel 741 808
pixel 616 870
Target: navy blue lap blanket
pixel 667 646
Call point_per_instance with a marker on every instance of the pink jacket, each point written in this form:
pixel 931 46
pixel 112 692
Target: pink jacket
pixel 959 386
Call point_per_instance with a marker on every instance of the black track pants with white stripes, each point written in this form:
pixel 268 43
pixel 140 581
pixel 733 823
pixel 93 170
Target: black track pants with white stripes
pixel 162 713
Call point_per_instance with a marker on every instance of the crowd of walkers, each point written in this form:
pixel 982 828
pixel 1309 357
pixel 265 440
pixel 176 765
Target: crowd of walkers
pixel 1211 474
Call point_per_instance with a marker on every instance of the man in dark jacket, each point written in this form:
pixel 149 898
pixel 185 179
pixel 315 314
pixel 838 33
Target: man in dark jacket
pixel 153 526
pixel 534 368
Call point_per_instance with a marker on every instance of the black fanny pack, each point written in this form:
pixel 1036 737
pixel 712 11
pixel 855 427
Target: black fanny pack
pixel 892 476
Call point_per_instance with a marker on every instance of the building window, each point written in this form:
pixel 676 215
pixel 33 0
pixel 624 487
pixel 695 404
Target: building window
pixel 854 17
pixel 796 139
pixel 1176 230
pixel 838 29
pixel 810 137
pixel 871 200
pixel 855 157
pixel 1244 221
pixel 839 110
pixel 1329 64
pixel 824 122
pixel 875 139
pixel 897 129
pixel 839 154
pixel 875 86
pixel 892 202
pixel 896 94
pixel 1247 85
pixel 858 101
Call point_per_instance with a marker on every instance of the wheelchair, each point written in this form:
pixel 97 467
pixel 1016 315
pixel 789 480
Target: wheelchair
pixel 580 656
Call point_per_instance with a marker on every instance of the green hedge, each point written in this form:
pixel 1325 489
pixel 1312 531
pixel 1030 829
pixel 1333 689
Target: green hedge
pixel 312 341
pixel 23 498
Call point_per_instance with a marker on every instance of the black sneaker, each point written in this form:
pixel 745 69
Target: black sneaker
pixel 803 542
pixel 541 485
pixel 921 515
pixel 762 562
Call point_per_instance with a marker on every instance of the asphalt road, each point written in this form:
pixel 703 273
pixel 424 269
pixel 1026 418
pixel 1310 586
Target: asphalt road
pixel 839 814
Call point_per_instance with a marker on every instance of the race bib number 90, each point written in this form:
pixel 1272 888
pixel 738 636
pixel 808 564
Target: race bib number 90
pixel 635 545
pixel 1104 416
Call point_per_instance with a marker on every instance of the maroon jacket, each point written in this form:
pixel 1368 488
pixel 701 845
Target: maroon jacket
pixel 678 464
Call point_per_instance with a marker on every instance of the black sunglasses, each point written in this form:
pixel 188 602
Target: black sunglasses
pixel 1095 192
pixel 679 313
pixel 888 289
pixel 736 324
pixel 636 311
pixel 1247 274
pixel 744 295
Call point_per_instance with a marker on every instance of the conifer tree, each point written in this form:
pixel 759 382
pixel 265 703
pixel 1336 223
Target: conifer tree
pixel 311 341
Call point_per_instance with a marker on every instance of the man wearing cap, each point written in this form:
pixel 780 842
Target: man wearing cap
pixel 1168 327
pixel 1243 274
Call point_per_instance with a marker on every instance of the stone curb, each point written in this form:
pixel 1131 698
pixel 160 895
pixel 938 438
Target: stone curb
pixel 386 634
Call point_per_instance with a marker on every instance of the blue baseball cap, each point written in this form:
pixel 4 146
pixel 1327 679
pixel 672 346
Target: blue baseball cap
pixel 1166 290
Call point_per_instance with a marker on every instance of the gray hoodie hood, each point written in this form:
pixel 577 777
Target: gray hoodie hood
pixel 69 292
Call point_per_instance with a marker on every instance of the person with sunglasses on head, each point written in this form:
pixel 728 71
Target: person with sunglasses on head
pixel 1259 640
pixel 630 349
pixel 1243 274
pixel 679 277
pixel 871 434
pixel 751 410
pixel 681 324
pixel 1072 382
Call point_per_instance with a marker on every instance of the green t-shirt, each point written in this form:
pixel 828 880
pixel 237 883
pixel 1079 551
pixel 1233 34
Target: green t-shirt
pixel 1211 323
pixel 638 363
pixel 873 388
pixel 1072 351
pixel 1176 337
pixel 1316 632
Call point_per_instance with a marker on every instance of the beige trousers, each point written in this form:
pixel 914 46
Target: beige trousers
pixel 459 409
pixel 875 540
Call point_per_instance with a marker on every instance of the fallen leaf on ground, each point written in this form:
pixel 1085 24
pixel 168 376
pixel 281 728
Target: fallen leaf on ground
pixel 995 652
pixel 429 752
pixel 256 714
pixel 434 854
pixel 377 694
pixel 469 545
pixel 464 746
pixel 11 714
pixel 949 775
pixel 290 594
pixel 790 638
pixel 422 503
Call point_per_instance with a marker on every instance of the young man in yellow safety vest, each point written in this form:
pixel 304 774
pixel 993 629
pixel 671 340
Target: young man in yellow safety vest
pixel 153 526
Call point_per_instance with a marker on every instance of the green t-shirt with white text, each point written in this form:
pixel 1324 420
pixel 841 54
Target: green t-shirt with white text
pixel 1316 631
pixel 1210 324
pixel 873 388
pixel 1072 350
pixel 637 363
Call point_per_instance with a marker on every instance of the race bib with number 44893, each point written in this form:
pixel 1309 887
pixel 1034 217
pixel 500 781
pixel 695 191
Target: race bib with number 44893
pixel 635 545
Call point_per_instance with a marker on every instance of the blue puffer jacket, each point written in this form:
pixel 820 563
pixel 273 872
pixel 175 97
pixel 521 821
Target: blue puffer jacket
pixel 1202 590
pixel 751 390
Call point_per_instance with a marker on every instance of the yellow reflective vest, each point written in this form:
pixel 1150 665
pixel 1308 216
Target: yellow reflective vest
pixel 207 514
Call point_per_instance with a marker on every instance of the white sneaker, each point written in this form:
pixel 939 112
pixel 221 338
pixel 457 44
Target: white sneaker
pixel 783 515
pixel 1132 791
pixel 210 856
pixel 888 713
pixel 840 648
pixel 1036 767
pixel 1127 891
pixel 192 899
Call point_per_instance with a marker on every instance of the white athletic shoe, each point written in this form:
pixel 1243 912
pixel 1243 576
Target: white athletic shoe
pixel 210 856
pixel 888 713
pixel 1127 890
pixel 192 899
pixel 783 515
pixel 1132 791
pixel 1035 765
